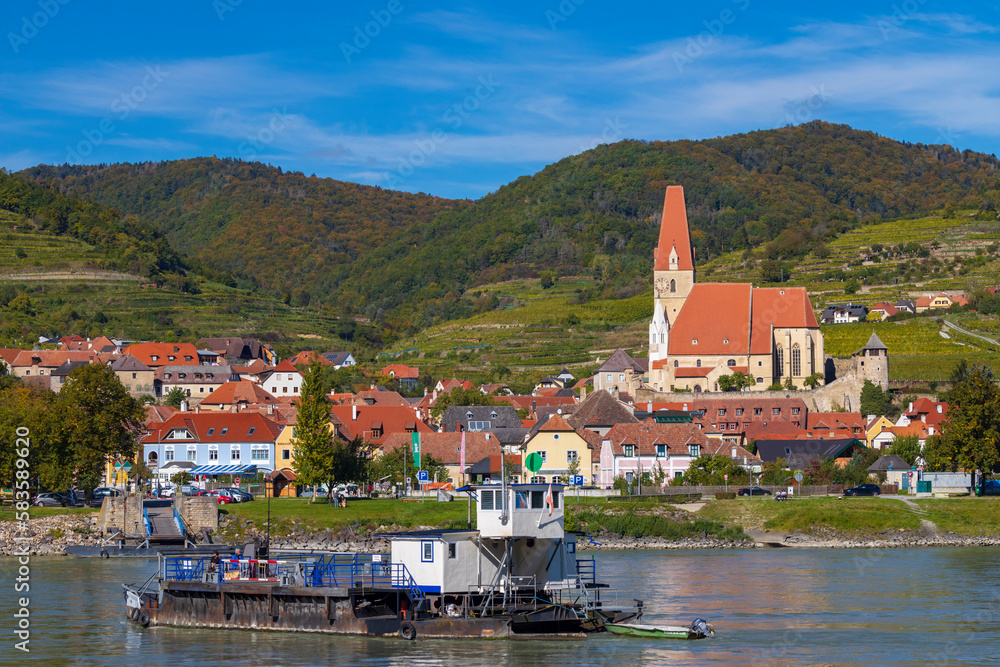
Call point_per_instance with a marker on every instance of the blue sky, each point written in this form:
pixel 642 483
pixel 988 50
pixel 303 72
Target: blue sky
pixel 457 99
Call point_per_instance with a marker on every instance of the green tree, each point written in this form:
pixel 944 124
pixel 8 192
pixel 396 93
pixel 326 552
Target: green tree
pixel 970 433
pixel 174 397
pixel 875 401
pixel 736 382
pixel 99 420
pixel 770 271
pixel 711 470
pixel 388 466
pixel 852 286
pixel 813 380
pixel 459 396
pixel 790 384
pixel 573 467
pixel 313 438
pixel 907 448
pixel 182 477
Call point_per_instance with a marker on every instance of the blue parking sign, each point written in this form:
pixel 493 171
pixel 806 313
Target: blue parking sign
pixel 422 476
pixel 578 480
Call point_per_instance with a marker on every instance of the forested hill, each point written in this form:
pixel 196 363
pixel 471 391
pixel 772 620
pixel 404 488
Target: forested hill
pixel 291 234
pixel 782 191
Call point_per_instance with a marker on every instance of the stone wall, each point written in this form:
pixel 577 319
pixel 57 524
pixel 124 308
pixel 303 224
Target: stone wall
pixel 198 513
pixel 112 515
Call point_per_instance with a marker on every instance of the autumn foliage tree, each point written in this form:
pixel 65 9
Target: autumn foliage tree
pixel 970 433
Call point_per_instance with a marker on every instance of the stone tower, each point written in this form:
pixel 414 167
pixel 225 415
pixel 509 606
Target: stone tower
pixel 872 362
pixel 673 268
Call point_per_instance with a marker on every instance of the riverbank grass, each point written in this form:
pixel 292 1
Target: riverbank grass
pixel 969 517
pixel 813 516
pixel 38 512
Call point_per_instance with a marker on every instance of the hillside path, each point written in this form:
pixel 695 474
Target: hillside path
pixel 920 512
pixel 969 333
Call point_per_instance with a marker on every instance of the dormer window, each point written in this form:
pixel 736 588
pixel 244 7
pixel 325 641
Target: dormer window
pixel 225 430
pixel 252 429
pixel 694 451
pixel 154 357
pixel 629 450
pixel 468 415
pixel 171 357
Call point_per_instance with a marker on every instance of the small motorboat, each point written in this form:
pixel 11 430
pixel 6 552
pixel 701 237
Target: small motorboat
pixel 699 629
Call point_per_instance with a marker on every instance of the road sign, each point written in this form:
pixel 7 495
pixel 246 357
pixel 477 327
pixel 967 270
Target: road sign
pixel 118 464
pixel 726 476
pixel 127 466
pixel 236 481
pixel 422 476
pixel 910 474
pixel 798 477
pixel 578 480
pixel 533 462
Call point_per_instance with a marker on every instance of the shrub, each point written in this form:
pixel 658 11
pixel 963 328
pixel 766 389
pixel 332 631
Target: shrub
pixel 725 495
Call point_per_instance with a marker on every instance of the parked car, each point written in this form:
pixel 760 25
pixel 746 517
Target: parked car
pixel 864 490
pixel 308 493
pixel 222 500
pixel 238 495
pixel 991 487
pixel 189 490
pixel 234 495
pixel 755 491
pixel 56 499
pixel 100 493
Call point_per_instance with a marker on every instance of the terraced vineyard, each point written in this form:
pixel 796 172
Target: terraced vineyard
pixel 23 250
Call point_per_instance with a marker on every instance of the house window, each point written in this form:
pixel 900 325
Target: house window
pixel 537 500
pixel 694 451
pixel 451 550
pixel 192 455
pixel 213 454
pixel 731 363
pixel 629 450
pixel 722 412
pixel 739 411
pixel 678 474
pixel 543 455
pixel 555 436
pixel 795 411
pixel 169 454
pixel 257 454
pixel 571 456
pixel 479 425
pixel 776 411
pixel 427 551
pixel 661 451
pixel 621 377
pixel 756 411
pixel 201 390
pixel 234 454
pixel 211 431
pixel 760 380
pixel 698 363
pixel 609 377
pixel 486 500
pixel 538 479
pixel 673 286
pixel 796 361
pixel 134 375
pixel 286 454
pixel 225 430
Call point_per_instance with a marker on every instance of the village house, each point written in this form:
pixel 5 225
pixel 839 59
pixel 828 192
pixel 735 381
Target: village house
pixel 561 447
pixel 284 477
pixel 874 425
pixel 237 350
pixel 939 302
pixel 844 314
pixel 500 420
pixel 308 358
pixel 375 423
pixel 236 396
pixel 924 410
pixel 283 380
pixel 340 359
pixel 599 412
pixel 800 454
pixel 882 310
pixel 919 430
pixel 630 450
pixel 408 376
pixel 42 363
pixel 218 443
pixel 158 355
pixel 444 448
pixel 138 378
pixel 196 382
pixel 620 374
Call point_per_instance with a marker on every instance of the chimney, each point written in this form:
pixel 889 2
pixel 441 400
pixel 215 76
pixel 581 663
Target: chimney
pixel 197 409
pixel 911 407
pixel 940 409
pixel 487 433
pixel 685 408
pixel 184 406
pixel 583 393
pixel 649 406
pixel 270 409
pixel 354 413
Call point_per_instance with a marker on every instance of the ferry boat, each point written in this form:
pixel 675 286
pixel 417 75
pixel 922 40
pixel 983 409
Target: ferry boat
pixel 518 573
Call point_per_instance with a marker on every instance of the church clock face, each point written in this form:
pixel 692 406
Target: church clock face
pixel 662 284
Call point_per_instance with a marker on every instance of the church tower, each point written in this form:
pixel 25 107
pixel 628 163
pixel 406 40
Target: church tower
pixel 673 268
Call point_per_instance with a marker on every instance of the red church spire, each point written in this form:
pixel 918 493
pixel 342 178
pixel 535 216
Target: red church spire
pixel 674 233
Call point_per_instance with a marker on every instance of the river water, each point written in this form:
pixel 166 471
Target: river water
pixel 769 607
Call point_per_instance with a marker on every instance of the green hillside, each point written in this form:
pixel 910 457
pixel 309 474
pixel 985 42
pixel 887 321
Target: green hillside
pixel 413 259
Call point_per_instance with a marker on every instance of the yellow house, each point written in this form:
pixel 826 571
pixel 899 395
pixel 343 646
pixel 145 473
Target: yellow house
pixel 284 478
pixel 559 444
pixel 876 426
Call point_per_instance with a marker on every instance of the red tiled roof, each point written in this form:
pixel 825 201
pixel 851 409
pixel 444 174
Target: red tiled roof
pixel 555 422
pixel 538 401
pixel 231 393
pixel 835 420
pixel 783 307
pixel 310 357
pixel 381 397
pixel 400 371
pixel 693 372
pixel 646 435
pixel 674 232
pixel 49 358
pixel 237 426
pixel 444 446
pixel 714 320
pixel 285 367
pixel 392 418
pixel 184 354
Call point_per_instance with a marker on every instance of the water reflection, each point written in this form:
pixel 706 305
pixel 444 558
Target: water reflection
pixel 770 607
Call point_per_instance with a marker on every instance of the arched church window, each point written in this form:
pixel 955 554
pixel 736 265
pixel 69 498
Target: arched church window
pixel 676 363
pixel 663 338
pixel 673 285
pixel 698 363
pixel 731 363
pixel 779 361
pixel 796 361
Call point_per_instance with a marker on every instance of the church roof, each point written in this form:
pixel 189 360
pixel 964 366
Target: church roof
pixel 783 307
pixel 674 232
pixel 715 319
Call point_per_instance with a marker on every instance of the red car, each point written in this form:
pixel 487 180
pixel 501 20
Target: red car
pixel 222 500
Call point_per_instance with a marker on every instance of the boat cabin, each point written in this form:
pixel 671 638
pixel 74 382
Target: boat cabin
pixel 520 543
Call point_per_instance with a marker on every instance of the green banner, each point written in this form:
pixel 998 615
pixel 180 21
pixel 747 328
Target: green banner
pixel 416 449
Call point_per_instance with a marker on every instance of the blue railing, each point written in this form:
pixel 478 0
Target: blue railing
pixel 586 570
pixel 180 522
pixel 149 524
pixel 184 569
